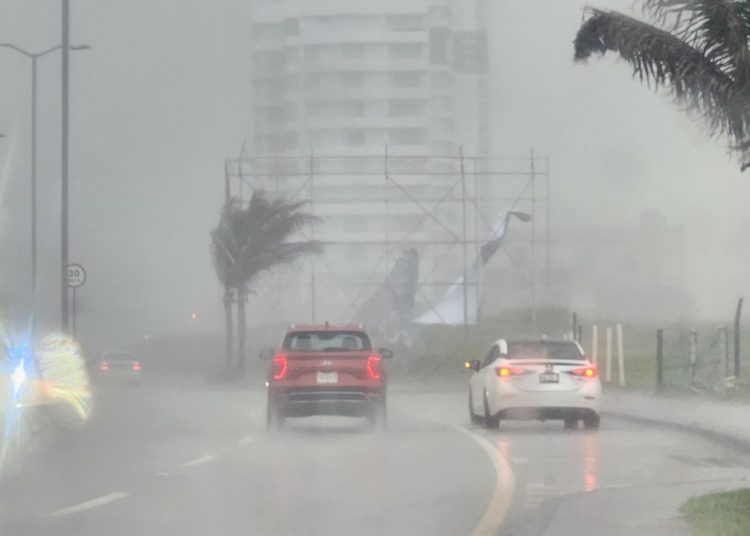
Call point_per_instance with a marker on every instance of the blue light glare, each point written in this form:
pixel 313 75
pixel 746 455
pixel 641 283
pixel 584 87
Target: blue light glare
pixel 16 364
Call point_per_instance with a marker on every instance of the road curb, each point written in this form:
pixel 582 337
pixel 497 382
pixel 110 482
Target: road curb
pixel 736 442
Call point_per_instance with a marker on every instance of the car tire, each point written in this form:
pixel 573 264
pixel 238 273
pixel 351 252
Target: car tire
pixel 379 415
pixel 491 422
pixel 274 418
pixel 591 422
pixel 570 423
pixel 473 417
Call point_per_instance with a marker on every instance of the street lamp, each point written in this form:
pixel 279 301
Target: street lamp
pixel 34 57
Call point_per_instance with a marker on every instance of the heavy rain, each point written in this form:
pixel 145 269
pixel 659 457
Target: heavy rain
pixel 445 267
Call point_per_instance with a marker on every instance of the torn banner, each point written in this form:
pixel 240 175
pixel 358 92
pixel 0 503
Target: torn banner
pixel 449 309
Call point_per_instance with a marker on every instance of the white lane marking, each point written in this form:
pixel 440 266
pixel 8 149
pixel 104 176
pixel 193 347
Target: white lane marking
pixel 201 460
pixel 246 440
pixel 505 487
pixel 94 503
pixel 505 481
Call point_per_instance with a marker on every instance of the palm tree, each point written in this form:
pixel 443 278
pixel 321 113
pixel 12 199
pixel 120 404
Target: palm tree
pixel 697 49
pixel 224 255
pixel 251 241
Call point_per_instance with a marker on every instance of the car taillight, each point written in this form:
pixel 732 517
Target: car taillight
pixel 585 372
pixel 104 365
pixel 373 367
pixel 136 366
pixel 505 372
pixel 280 366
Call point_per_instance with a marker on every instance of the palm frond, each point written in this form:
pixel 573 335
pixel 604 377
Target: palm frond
pixel 250 241
pixel 718 28
pixel 666 61
pixel 283 254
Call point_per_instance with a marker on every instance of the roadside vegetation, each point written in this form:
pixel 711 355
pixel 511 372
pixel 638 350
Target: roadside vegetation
pixel 719 514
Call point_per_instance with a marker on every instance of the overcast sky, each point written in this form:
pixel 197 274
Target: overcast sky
pixel 163 97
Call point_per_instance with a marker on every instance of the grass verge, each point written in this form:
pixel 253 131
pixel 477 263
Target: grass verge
pixel 719 514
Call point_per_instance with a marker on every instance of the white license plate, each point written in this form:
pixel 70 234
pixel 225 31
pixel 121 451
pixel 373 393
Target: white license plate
pixel 328 377
pixel 549 377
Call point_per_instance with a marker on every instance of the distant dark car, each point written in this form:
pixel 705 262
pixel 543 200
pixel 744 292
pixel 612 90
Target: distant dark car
pixel 326 370
pixel 120 366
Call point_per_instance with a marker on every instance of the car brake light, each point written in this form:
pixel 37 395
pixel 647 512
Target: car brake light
pixel 281 366
pixel 504 372
pixel 373 367
pixel 136 366
pixel 104 366
pixel 585 372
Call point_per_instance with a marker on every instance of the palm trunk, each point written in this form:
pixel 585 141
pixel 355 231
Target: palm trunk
pixel 241 329
pixel 228 327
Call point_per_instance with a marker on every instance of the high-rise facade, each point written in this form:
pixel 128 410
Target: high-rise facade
pixel 342 77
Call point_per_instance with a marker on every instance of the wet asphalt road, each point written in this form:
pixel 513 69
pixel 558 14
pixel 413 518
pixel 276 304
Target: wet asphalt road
pixel 169 459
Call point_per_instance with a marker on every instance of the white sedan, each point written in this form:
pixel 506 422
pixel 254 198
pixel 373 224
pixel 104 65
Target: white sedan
pixel 535 380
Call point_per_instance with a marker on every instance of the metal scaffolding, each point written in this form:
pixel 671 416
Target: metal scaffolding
pixel 376 206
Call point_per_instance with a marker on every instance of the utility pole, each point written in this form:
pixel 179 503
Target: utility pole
pixel 534 327
pixel 227 193
pixel 548 245
pixel 465 251
pixel 313 304
pixel 737 318
pixel 64 174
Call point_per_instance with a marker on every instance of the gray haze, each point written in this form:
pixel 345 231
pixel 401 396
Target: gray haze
pixel 163 97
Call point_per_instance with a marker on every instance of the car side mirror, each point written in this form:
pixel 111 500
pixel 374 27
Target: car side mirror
pixel 267 354
pixel 386 353
pixel 472 365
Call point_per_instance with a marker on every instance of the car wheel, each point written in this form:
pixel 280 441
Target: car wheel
pixel 490 421
pixel 570 423
pixel 274 418
pixel 591 422
pixel 379 415
pixel 473 417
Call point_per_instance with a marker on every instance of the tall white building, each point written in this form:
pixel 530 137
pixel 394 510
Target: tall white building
pixel 357 78
pixel 351 76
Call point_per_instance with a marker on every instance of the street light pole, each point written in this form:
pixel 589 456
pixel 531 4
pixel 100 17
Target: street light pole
pixel 34 77
pixel 33 197
pixel 65 147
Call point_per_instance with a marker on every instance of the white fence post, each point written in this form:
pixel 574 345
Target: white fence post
pixel 608 355
pixel 621 355
pixel 595 344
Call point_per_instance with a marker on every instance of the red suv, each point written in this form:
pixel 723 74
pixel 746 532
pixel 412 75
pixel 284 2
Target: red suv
pixel 326 370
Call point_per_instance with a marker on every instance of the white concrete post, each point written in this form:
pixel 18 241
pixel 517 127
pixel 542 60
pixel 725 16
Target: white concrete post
pixel 621 355
pixel 608 356
pixel 595 344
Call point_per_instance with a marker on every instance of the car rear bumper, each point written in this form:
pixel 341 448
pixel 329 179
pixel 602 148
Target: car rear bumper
pixel 547 405
pixel 546 413
pixel 120 376
pixel 342 401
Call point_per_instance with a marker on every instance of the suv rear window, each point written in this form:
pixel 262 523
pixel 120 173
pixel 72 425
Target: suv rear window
pixel 545 350
pixel 326 341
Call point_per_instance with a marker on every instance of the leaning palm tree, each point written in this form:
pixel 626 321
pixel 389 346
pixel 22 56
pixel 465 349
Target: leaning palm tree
pixel 224 256
pixel 255 240
pixel 697 49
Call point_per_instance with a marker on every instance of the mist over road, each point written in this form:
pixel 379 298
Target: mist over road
pixel 168 458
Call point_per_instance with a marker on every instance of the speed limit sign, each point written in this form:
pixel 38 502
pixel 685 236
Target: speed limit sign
pixel 76 275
